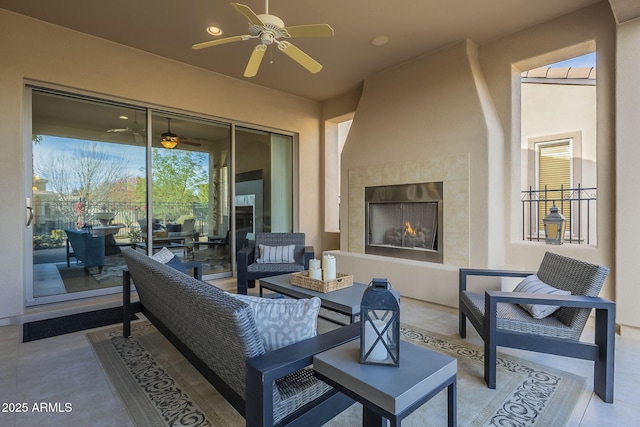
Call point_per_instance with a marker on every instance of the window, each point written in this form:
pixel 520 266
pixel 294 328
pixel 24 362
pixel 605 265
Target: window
pixel 558 146
pixel 553 170
pixel 336 132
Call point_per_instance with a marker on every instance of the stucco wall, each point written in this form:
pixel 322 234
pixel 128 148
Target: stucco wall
pixel 503 60
pixel 42 52
pixel 413 112
pixel 435 105
pixel 628 175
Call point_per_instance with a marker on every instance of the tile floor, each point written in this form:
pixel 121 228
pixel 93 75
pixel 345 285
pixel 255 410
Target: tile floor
pixel 63 373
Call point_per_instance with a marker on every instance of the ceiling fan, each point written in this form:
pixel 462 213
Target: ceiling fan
pixel 136 129
pixel 270 29
pixel 170 139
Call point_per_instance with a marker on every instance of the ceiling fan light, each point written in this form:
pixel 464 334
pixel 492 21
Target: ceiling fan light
pixel 214 31
pixel 169 141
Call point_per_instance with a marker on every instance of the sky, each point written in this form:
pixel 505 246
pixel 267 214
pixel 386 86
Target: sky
pixel 132 158
pixel 588 60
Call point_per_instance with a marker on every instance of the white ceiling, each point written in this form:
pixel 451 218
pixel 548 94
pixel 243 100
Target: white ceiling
pixel 415 27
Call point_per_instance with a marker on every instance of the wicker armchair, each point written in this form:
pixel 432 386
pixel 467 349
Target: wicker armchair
pixel 501 321
pixel 249 270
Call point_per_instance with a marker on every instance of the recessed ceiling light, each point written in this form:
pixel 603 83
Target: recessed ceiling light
pixel 379 40
pixel 214 31
pixel 123 117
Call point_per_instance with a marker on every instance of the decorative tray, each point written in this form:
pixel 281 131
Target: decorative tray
pixel 303 280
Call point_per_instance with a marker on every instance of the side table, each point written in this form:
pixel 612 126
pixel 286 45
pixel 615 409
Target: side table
pixel 385 391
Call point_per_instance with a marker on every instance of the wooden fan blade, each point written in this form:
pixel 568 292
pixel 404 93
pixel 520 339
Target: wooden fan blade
pixel 255 60
pixel 247 13
pixel 220 41
pixel 300 57
pixel 311 30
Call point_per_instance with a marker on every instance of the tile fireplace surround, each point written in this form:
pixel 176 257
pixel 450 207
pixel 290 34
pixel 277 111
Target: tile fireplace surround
pixel 421 280
pixel 453 171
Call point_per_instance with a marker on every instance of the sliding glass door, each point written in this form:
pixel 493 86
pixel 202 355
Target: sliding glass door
pixel 107 175
pixel 263 183
pixel 190 195
pixel 88 164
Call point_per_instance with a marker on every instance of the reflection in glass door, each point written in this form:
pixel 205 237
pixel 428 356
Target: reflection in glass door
pixel 190 192
pixel 263 183
pixel 90 191
pixel 88 161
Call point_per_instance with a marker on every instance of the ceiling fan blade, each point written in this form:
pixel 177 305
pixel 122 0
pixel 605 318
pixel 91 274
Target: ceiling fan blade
pixel 247 13
pixel 311 30
pixel 220 41
pixel 255 60
pixel 300 57
pixel 195 144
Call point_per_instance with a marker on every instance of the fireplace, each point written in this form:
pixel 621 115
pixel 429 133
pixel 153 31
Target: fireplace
pixel 405 221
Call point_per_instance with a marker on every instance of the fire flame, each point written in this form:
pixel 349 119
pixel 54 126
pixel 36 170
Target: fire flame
pixel 408 229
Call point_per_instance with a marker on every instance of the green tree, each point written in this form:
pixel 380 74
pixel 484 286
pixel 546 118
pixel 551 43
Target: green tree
pixel 179 178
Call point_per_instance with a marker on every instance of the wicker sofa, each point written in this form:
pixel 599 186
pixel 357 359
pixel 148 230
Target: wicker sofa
pixel 217 333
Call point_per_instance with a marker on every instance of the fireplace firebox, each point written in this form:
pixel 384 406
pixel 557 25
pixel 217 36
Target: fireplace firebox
pixel 405 221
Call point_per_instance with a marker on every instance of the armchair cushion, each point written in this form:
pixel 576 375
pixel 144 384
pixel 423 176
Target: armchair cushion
pixel 275 268
pixel 532 284
pixel 165 256
pixel 276 254
pixel 282 322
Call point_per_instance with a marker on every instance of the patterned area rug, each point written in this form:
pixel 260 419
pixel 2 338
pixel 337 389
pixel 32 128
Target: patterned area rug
pixel 160 388
pixel 111 271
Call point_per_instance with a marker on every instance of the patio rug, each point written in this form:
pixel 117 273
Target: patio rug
pixel 76 278
pixel 160 388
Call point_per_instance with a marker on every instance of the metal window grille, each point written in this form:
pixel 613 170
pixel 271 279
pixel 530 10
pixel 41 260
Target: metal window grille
pixel 577 205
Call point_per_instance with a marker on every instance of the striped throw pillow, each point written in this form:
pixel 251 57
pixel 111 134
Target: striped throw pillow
pixel 532 284
pixel 276 254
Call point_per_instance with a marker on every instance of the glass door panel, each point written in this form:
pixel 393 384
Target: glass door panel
pixel 88 160
pixel 263 183
pixel 190 191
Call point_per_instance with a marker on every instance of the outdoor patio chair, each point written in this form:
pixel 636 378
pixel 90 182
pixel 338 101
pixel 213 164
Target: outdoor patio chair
pixel 85 248
pixel 502 322
pixel 252 264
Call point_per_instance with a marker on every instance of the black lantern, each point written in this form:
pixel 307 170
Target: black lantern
pixel 380 324
pixel 554 224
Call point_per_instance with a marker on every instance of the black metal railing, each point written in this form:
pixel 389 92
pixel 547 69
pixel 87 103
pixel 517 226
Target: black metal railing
pixel 51 215
pixel 577 205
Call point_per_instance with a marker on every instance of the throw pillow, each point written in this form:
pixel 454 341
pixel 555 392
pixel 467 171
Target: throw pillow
pixel 282 322
pixel 165 256
pixel 276 254
pixel 532 284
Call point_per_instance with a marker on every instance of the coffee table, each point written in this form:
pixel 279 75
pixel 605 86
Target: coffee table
pixel 344 301
pixel 386 391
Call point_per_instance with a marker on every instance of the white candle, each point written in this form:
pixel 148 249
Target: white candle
pixel 314 264
pixel 315 273
pixel 379 352
pixel 329 267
